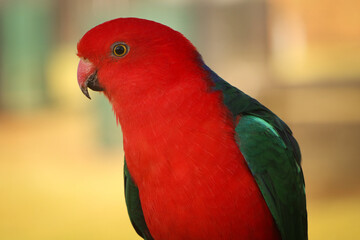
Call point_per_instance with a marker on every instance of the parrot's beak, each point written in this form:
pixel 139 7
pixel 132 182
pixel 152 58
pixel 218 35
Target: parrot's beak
pixel 87 77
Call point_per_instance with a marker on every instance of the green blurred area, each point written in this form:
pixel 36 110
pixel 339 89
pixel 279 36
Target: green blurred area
pixel 61 155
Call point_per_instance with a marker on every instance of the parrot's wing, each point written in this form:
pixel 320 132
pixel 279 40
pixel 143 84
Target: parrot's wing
pixel 134 206
pixel 277 174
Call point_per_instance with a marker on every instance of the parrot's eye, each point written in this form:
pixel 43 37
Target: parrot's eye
pixel 120 49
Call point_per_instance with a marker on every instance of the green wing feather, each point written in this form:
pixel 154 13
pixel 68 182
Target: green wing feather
pixel 273 157
pixel 133 204
pixel 277 174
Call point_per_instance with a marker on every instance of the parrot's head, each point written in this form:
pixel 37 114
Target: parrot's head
pixel 130 56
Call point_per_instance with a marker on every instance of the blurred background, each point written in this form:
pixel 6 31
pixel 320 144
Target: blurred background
pixel 61 155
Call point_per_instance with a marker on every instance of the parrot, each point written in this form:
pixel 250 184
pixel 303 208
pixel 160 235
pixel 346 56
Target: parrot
pixel 203 160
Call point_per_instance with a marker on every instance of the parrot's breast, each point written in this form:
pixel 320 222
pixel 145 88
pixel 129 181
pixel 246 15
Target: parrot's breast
pixel 193 180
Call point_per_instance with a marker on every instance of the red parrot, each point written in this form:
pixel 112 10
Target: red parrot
pixel 203 159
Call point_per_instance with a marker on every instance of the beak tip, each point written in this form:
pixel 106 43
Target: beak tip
pixel 85 91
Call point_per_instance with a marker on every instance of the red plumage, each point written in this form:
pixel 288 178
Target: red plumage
pixel 178 137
